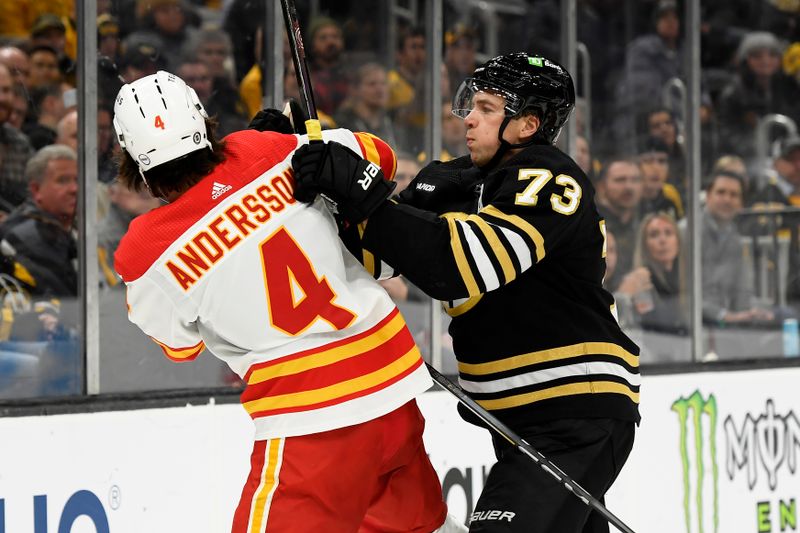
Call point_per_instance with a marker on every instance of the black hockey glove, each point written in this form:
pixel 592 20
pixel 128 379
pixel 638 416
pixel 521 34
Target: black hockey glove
pixel 271 120
pixel 356 186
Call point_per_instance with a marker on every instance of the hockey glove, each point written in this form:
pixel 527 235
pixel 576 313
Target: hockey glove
pixel 271 120
pixel 355 185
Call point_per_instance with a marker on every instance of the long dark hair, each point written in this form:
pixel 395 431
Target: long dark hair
pixel 177 175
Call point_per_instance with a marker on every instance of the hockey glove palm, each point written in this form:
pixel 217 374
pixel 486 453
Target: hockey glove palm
pixel 356 186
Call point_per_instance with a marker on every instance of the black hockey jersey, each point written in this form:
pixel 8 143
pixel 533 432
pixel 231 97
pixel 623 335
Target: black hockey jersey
pixel 517 258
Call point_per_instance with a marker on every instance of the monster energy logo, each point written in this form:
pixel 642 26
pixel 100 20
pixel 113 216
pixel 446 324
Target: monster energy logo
pixel 770 439
pixel 695 415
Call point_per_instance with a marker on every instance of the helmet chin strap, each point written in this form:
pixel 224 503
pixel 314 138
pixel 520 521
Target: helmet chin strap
pixel 505 146
pixel 141 173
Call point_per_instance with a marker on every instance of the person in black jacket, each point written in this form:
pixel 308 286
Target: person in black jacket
pixel 38 238
pixel 510 240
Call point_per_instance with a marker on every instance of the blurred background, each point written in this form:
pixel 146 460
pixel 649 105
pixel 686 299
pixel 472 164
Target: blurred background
pixel 686 123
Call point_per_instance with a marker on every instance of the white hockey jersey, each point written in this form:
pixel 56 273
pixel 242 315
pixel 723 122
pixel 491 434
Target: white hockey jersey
pixel 238 266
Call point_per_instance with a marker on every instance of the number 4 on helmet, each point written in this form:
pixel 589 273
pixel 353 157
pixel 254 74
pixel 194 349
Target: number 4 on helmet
pixel 158 119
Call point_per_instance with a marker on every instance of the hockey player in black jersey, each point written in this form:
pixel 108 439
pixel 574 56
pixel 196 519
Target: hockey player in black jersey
pixel 509 239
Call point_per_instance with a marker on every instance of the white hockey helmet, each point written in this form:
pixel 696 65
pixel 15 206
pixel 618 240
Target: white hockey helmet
pixel 159 118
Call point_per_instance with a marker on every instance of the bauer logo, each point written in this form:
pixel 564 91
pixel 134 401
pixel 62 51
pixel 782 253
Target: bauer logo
pixel 697 419
pixel 83 506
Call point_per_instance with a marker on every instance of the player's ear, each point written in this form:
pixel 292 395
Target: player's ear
pixel 530 125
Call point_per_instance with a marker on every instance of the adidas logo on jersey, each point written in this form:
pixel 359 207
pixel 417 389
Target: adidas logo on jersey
pixel 218 190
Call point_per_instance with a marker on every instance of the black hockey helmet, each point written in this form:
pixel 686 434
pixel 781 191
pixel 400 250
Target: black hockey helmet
pixel 527 83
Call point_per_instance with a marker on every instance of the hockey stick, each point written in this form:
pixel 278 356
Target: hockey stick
pixel 301 69
pixel 504 431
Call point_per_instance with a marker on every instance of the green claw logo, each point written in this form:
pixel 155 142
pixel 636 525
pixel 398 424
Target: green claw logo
pixel 692 412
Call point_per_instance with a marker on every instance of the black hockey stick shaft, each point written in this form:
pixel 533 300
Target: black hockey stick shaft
pixel 505 432
pixel 301 68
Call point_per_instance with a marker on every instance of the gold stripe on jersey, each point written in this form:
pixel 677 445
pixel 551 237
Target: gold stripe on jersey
pixel 368 257
pixel 465 305
pixel 500 251
pixel 571 389
pixel 552 354
pixel 269 482
pixel 520 224
pixel 330 356
pixel 458 254
pixel 339 390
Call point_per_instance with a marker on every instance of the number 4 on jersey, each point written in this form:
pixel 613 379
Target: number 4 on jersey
pixel 287 268
pixel 159 123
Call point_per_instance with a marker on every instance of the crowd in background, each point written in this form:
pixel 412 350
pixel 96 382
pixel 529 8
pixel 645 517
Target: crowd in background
pixel 630 140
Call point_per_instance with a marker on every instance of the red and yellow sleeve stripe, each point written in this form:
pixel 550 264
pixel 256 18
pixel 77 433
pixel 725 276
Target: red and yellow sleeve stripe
pixel 334 373
pixel 377 151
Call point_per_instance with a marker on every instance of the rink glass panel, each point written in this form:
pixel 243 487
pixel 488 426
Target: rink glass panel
pixel 129 361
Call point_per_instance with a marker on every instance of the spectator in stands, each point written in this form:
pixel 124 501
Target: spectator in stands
pixel 47 104
pixel 166 24
pixel 759 88
pixel 39 234
pixel 328 73
pixel 632 295
pixel 453 133
pixel 49 30
pixel 406 85
pixel 67 130
pixel 660 122
pixel 125 206
pixel 139 60
pixel 651 61
pixel 17 62
pixel 780 18
pixel 783 180
pixel 19 107
pixel 727 287
pixel 735 164
pixel 407 169
pixel 14 150
pixel 213 48
pixel 658 196
pixel 460 53
pixel 583 156
pixel 791 61
pixel 658 249
pixel 619 193
pixel 365 108
pixel 44 68
pixel 108 43
pixel 196 74
pixel 243 19
pixel 106 165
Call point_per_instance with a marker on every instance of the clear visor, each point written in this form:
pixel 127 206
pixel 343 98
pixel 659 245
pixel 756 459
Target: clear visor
pixel 468 94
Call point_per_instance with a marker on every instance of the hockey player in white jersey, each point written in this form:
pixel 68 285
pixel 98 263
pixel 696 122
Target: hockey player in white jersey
pixel 233 263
